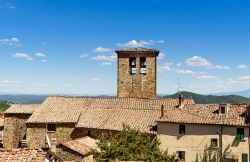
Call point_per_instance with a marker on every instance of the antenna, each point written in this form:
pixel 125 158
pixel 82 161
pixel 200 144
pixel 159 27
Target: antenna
pixel 178 87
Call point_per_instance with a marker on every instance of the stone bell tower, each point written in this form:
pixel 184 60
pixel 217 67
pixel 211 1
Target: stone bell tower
pixel 137 73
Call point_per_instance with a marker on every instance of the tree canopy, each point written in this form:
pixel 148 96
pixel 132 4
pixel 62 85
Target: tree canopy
pixel 130 145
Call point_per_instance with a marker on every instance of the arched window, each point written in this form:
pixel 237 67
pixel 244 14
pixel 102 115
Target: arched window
pixel 132 65
pixel 143 65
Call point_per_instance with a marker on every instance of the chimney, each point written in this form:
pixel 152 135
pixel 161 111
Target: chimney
pixel 181 101
pixel 162 111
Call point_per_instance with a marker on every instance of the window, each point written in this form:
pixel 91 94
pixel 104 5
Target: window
pixel 51 127
pixel 132 65
pixel 244 158
pixel 214 142
pixel 240 134
pixel 182 129
pixel 223 110
pixel 181 155
pixel 143 65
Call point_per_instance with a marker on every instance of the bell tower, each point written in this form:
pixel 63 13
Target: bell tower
pixel 137 72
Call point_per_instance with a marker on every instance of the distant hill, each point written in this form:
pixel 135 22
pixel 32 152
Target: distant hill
pixel 25 99
pixel 206 99
pixel 245 93
pixel 4 105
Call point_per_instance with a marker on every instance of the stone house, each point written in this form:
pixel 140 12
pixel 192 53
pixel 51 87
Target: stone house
pixel 187 131
pixel 15 124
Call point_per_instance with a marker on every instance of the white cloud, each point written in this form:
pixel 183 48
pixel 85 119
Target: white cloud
pixel 198 61
pixel 95 79
pixel 84 55
pixel 44 60
pixel 166 67
pixel 9 82
pixel 106 58
pixel 178 65
pixel 161 55
pixel 10 41
pixel 22 56
pixel 102 50
pixel 242 66
pixel 205 76
pixel 39 54
pixel 139 43
pixel 106 63
pixel 184 72
pixel 245 78
pixel 66 85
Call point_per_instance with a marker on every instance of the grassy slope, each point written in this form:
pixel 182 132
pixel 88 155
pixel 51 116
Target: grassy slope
pixel 4 105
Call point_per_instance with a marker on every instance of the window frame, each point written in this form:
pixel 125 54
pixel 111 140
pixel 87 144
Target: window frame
pixel 181 155
pixel 143 65
pixel 213 141
pixel 240 134
pixel 51 127
pixel 182 129
pixel 132 68
pixel 224 110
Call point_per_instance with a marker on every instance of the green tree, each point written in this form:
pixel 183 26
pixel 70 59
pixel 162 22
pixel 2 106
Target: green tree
pixel 212 154
pixel 130 145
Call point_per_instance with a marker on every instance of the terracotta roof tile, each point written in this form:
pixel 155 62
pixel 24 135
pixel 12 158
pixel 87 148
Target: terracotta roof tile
pixel 207 114
pixel 21 155
pixel 81 145
pixel 113 119
pixel 22 109
pixel 68 109
pixel 140 49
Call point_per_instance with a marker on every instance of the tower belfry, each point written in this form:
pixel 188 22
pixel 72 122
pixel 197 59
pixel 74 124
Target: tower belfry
pixel 137 72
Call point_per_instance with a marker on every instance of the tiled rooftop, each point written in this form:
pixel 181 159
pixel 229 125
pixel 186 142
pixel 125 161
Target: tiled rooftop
pixel 113 119
pixel 207 114
pixel 22 155
pixel 137 49
pixel 22 109
pixel 82 145
pixel 68 109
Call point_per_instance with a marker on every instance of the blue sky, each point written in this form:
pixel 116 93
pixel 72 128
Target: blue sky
pixel 67 46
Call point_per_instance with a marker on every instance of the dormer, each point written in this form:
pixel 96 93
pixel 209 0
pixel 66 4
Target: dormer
pixel 223 109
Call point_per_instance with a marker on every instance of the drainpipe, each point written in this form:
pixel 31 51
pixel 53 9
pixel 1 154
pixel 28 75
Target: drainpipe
pixel 220 140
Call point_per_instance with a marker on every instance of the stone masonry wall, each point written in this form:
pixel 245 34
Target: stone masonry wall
pixel 136 85
pixel 36 134
pixel 14 129
pixel 69 155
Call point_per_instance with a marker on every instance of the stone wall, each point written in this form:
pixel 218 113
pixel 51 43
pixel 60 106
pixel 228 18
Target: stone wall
pixel 93 133
pixel 137 85
pixel 14 129
pixel 69 155
pixel 36 134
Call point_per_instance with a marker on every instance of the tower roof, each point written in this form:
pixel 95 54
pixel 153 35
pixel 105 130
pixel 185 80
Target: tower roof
pixel 138 49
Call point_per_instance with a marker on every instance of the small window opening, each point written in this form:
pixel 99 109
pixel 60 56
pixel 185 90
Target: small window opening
pixel 240 134
pixel 214 142
pixel 143 65
pixel 132 65
pixel 181 155
pixel 51 127
pixel 182 129
pixel 223 110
